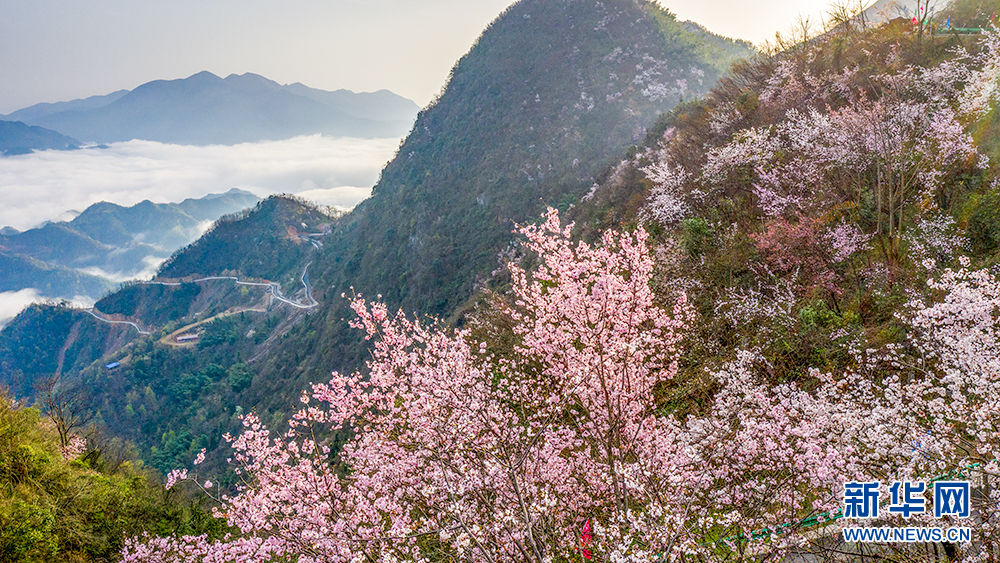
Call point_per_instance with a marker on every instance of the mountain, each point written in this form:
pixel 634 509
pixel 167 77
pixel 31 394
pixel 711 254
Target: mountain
pixel 38 111
pixel 267 240
pixel 19 272
pixel 19 138
pixel 549 95
pixel 75 259
pixel 379 106
pixel 166 226
pixel 206 109
pixel 828 296
pixel 552 93
pixel 124 240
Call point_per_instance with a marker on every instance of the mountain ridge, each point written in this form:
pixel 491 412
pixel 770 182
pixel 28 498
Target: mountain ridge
pixel 48 108
pixel 524 142
pixel 17 137
pixel 206 109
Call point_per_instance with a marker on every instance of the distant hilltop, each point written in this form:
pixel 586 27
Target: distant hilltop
pixel 19 138
pixel 204 109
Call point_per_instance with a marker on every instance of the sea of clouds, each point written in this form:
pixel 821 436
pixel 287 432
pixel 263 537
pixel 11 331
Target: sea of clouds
pixel 50 185
pixel 44 186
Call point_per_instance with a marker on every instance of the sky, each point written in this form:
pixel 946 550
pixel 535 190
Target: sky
pixel 57 50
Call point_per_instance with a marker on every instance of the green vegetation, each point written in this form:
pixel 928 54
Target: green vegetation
pixel 685 38
pixel 984 223
pixel 79 509
pixel 183 400
pixel 42 337
pixel 156 304
pixel 261 242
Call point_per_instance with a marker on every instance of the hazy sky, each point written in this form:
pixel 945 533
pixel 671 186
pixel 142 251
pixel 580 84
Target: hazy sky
pixel 55 50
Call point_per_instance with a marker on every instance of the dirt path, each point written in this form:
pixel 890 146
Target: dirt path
pixel 171 339
pixel 74 333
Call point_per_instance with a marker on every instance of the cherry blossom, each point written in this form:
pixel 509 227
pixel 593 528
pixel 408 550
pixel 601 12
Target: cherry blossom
pixel 507 455
pixel 75 448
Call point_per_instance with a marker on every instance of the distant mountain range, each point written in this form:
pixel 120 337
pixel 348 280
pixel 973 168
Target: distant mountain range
pixel 205 109
pixel 20 138
pixel 106 242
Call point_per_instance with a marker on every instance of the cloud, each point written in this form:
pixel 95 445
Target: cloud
pixel 13 302
pixel 343 196
pixel 150 265
pixel 42 186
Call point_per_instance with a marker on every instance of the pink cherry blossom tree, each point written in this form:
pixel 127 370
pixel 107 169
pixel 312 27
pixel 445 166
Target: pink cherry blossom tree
pixel 559 445
pixel 888 143
pixel 464 452
pixel 487 458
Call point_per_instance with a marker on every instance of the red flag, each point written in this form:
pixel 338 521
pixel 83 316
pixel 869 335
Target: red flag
pixel 585 538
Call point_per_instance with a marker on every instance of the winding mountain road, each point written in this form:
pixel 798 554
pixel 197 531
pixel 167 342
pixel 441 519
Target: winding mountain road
pixel 272 288
pixel 109 321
